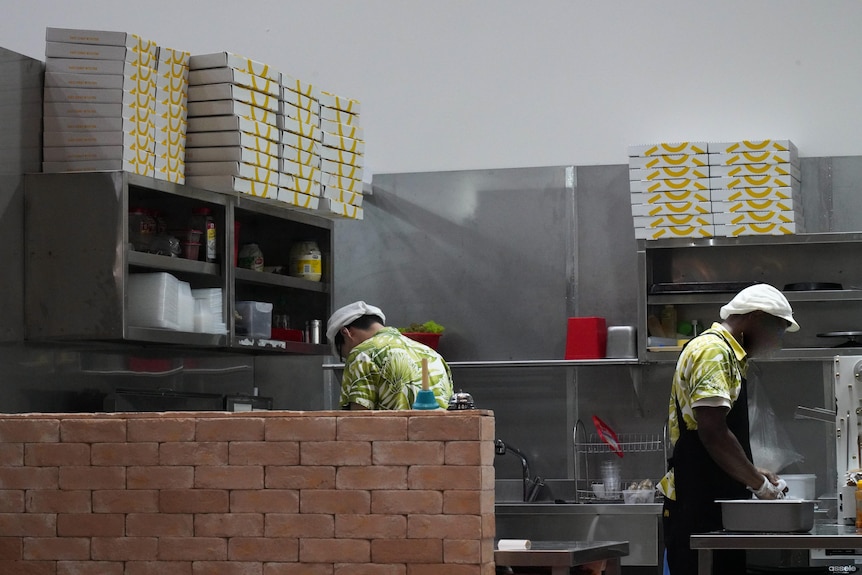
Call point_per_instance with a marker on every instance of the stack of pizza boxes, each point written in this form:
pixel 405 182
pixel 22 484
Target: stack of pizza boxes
pixel 670 190
pixel 99 101
pixel 755 188
pixel 299 146
pixel 342 156
pixel 232 136
pixel 172 82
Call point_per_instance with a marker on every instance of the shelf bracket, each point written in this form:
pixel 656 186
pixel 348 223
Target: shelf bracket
pixel 636 376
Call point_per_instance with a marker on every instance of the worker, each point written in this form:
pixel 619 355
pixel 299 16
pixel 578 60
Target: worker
pixel 708 426
pixel 382 368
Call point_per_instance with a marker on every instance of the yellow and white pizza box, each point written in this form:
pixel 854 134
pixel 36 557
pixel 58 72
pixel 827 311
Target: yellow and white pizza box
pixel 83 66
pixel 232 154
pixel 232 108
pixel 306 89
pixel 145 97
pixel 340 209
pixel 301 170
pixel 291 154
pixel 207 92
pixel 169 175
pixel 733 182
pixel 295 126
pixel 343 143
pixel 331 100
pixel 668 149
pixel 763 157
pixel 667 173
pixel 176 90
pixel 668 196
pixel 237 77
pixel 670 185
pixel 298 199
pixel 300 101
pixel 88 153
pixel 339 169
pixel 777 170
pixel 170 142
pixel 233 184
pixel 236 123
pixel 672 208
pixel 100 37
pixel 674 232
pixel 341 182
pixel 172 122
pixel 229 60
pixel 772 229
pixel 143 79
pixel 238 169
pixel 87 125
pixel 669 161
pixel 739 194
pixel 300 142
pixel 673 220
pixel 787 205
pixel 770 217
pixel 752 146
pixel 136 139
pixel 174 61
pixel 233 138
pixel 355 132
pixel 171 112
pixel 167 163
pixel 344 157
pixel 340 116
pixel 343 196
pixel 68 50
pixel 140 163
pixel 292 182
pixel 297 113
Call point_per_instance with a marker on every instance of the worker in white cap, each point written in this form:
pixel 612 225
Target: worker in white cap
pixel 382 368
pixel 708 425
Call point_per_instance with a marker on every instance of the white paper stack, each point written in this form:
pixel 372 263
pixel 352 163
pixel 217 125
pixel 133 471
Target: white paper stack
pixel 172 83
pixel 342 156
pixel 233 135
pixel 99 101
pixel 755 188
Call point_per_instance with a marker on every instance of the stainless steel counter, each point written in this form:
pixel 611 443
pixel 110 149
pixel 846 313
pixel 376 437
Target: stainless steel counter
pixel 560 556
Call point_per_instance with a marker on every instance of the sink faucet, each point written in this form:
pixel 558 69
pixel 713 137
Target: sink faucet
pixel 531 487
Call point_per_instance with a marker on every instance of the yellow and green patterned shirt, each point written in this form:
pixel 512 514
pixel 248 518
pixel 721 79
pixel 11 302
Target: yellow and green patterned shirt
pixel 385 372
pixel 708 373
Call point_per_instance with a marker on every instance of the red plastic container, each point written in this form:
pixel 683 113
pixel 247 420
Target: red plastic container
pixel 586 338
pixel 190 250
pixel 432 340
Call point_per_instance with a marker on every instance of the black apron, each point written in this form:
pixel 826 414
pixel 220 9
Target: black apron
pixel 699 481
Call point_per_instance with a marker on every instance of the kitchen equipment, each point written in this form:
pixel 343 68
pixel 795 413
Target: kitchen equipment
pixel 800 486
pixel 255 319
pixel 699 287
pixel 586 338
pixel 771 516
pixel 631 496
pixel 851 335
pixel 848 427
pixel 425 397
pixel 608 436
pixel 461 400
pixel 812 286
pixel 622 341
pixel 611 479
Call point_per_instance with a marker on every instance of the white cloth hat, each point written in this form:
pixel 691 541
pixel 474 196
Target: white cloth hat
pixel 762 297
pixel 345 316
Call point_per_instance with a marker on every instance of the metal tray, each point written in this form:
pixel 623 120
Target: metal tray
pixel 765 516
pixel 698 287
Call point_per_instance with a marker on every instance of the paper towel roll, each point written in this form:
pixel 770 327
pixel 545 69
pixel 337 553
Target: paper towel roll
pixel 513 544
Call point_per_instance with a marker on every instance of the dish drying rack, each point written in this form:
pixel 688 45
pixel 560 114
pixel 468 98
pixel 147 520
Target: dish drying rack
pixel 590 446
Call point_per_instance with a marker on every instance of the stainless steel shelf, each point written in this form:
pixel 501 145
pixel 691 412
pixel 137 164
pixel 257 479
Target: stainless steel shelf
pixel 533 363
pixel 271 279
pixel 722 298
pixel 169 264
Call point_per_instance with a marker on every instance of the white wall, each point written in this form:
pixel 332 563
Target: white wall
pixel 462 84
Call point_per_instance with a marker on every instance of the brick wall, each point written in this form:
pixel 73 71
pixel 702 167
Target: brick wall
pixel 261 493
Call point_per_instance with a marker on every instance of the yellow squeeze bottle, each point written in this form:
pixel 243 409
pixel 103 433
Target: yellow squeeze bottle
pixel 859 505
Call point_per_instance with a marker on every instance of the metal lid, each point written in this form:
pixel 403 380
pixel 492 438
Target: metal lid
pixel 461 400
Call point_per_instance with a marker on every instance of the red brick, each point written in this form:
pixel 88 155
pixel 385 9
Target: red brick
pixel 226 568
pixel 28 567
pixel 242 428
pixel 405 502
pixel 380 428
pixel 407 551
pixel 489 525
pixel 229 477
pixel 300 429
pixel 125 501
pixel 407 453
pixel 92 478
pixel 300 477
pixel 451 569
pixel 335 453
pixel 29 430
pixel 444 526
pixel 57 501
pixel 28 525
pixel 468 502
pixel 11 548
pixel 11 454
pixel 93 430
pixel 462 551
pixel 444 477
pixel 160 525
pixel 125 454
pixel 452 427
pixel 125 548
pixel 158 568
pixel 263 453
pixel 228 524
pixel 193 501
pixel 55 548
pixel 91 525
pixel 370 569
pixel 28 477
pixel 160 477
pixel 89 568
pixel 193 453
pixel 56 454
pixel 468 452
pixel 12 501
pixel 334 501
pixel 264 501
pixel 371 477
pixel 300 525
pixel 334 551
pixel 489 429
pixel 370 526
pixel 263 549
pixel 162 428
pixel 192 548
pixel 300 569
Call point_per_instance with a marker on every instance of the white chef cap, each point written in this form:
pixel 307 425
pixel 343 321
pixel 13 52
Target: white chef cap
pixel 345 316
pixel 762 297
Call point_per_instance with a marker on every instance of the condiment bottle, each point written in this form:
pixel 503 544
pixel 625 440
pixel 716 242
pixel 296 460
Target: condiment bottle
pixel 859 505
pixel 668 321
pixel 202 219
pixel 305 261
pixel 250 257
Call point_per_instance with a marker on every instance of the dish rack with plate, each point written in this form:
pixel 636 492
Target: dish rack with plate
pixel 640 452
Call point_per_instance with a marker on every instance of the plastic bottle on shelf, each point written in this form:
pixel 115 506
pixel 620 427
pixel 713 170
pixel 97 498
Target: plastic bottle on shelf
pixel 668 321
pixel 142 228
pixel 858 505
pixel 306 261
pixel 202 219
pixel 250 257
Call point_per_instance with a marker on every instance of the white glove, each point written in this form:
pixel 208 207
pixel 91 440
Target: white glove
pixel 770 491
